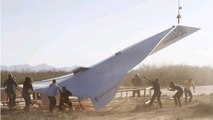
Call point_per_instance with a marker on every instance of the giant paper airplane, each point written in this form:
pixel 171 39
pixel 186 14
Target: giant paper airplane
pixel 101 81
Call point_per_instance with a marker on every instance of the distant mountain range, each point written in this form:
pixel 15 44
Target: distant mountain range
pixel 40 67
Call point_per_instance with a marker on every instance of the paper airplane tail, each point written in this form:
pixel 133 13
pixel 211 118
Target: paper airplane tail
pixel 105 99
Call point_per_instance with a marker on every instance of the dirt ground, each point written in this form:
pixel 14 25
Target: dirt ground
pixel 128 109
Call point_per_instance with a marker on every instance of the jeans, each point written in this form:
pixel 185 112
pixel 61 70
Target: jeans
pixel 52 104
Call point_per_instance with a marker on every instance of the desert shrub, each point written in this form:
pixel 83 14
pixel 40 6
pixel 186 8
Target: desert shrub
pixel 166 74
pixel 176 73
pixel 42 75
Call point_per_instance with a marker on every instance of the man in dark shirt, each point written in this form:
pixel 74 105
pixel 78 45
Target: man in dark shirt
pixel 26 92
pixel 64 98
pixel 9 88
pixel 157 92
pixel 178 94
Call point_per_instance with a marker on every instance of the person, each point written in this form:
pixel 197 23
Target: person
pixel 187 85
pixel 178 94
pixel 52 90
pixel 157 91
pixel 10 90
pixel 136 81
pixel 64 98
pixel 26 92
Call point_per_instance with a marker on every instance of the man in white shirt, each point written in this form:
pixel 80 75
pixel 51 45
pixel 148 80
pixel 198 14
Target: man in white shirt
pixel 52 90
pixel 187 85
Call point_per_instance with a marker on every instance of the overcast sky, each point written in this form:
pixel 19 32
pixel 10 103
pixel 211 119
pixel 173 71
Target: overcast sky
pixel 83 32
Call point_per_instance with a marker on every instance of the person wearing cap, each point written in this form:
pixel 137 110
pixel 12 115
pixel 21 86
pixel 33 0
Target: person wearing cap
pixel 52 90
pixel 157 91
pixel 178 94
pixel 64 98
pixel 10 90
pixel 187 85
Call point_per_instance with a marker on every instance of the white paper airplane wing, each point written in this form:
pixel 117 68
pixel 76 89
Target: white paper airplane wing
pixel 41 86
pixel 101 81
pixel 176 34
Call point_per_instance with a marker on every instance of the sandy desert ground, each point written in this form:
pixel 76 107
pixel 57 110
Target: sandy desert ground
pixel 125 109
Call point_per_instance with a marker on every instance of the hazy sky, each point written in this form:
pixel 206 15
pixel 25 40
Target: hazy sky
pixel 82 32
